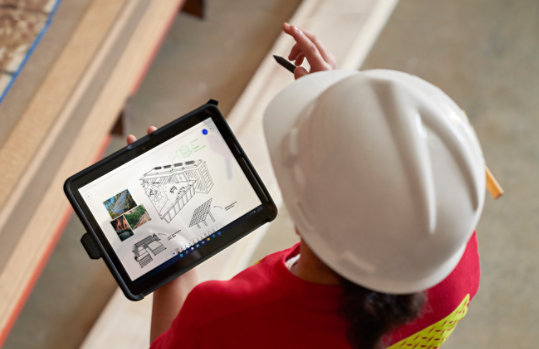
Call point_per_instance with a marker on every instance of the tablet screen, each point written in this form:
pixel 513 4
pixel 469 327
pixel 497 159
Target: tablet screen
pixel 170 200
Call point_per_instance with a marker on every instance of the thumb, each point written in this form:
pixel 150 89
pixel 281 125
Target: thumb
pixel 299 72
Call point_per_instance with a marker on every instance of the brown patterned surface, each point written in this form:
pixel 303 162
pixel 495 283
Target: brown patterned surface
pixel 20 23
pixel 64 21
pixel 32 5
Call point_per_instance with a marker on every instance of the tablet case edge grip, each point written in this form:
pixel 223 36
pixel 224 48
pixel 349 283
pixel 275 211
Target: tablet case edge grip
pixel 91 246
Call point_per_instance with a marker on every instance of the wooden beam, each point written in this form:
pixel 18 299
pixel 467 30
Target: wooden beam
pixel 25 142
pixel 65 124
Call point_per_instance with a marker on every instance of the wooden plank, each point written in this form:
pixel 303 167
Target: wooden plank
pixel 53 149
pixel 134 334
pixel 348 27
pixel 36 241
pixel 16 152
pixel 27 137
pixel 65 20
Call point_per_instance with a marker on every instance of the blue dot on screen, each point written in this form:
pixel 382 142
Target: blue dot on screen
pixel 204 132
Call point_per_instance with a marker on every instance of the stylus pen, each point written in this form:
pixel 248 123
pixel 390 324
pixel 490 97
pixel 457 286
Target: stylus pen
pixel 286 64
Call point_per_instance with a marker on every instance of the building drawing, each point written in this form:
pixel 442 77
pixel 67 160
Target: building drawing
pixel 142 249
pixel 170 187
pixel 201 213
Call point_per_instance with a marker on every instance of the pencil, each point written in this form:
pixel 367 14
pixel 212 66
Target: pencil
pixel 286 64
pixel 494 188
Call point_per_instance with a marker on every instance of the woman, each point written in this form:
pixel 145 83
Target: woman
pixel 384 180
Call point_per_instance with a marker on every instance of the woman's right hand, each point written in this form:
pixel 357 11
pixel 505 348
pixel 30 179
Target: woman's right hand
pixel 308 47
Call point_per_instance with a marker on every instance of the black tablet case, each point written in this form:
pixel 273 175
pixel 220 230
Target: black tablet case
pixel 96 250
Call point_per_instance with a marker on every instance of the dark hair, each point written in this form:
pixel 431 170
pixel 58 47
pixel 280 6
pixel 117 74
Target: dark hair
pixel 371 315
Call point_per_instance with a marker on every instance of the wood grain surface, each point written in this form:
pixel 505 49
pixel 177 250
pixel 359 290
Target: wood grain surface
pixel 63 127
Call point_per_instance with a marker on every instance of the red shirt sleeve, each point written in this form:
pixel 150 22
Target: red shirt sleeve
pixel 182 333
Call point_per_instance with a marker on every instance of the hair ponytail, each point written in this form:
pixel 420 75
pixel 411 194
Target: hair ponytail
pixel 372 314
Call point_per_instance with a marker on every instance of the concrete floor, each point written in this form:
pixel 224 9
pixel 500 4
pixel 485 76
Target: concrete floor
pixel 482 53
pixel 485 55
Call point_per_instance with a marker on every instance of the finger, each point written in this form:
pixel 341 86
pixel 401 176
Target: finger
pixel 294 52
pixel 299 72
pixel 287 28
pixel 151 129
pixel 325 53
pixel 130 139
pixel 298 47
pixel 299 60
pixel 310 50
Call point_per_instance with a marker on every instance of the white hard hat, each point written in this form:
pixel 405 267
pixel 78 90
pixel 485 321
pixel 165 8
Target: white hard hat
pixel 381 172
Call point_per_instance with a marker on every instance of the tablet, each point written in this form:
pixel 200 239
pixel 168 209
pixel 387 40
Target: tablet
pixel 169 201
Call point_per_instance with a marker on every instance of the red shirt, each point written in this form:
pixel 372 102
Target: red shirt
pixel 266 306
